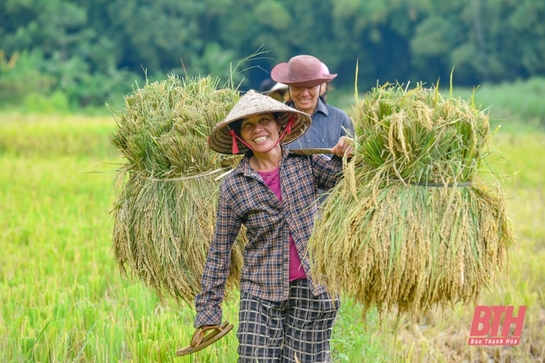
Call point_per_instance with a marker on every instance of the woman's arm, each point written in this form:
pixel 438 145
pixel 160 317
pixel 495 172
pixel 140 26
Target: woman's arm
pixel 218 263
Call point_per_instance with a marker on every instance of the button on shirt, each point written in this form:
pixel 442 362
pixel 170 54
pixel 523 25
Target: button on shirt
pixel 246 199
pixel 328 125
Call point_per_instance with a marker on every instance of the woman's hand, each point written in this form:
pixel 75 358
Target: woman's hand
pixel 344 146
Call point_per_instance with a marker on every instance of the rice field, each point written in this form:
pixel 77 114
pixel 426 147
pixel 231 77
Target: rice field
pixel 63 298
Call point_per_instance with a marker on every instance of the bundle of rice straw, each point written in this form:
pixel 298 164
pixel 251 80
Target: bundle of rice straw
pixel 412 225
pixel 164 214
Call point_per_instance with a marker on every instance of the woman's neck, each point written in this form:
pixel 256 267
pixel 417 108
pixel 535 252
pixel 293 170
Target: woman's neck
pixel 267 161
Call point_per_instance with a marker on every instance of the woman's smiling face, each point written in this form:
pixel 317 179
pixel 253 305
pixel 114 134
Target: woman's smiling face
pixel 260 131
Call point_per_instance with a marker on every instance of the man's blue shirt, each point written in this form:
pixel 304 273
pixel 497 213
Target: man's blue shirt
pixel 328 125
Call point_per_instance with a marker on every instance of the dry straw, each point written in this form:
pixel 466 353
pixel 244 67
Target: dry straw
pixel 412 225
pixel 164 214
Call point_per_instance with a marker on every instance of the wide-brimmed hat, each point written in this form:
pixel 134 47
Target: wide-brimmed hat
pixel 301 71
pixel 325 69
pixel 295 122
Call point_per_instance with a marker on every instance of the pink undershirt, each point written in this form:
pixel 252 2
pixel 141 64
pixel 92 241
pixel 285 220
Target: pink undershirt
pixel 272 179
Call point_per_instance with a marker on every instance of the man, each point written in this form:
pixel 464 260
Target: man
pixel 305 77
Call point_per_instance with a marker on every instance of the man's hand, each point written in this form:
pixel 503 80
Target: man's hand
pixel 344 146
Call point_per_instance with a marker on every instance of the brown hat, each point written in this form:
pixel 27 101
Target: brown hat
pixel 253 103
pixel 301 71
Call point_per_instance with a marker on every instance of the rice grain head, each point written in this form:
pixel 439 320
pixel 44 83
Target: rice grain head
pixel 420 228
pixel 165 210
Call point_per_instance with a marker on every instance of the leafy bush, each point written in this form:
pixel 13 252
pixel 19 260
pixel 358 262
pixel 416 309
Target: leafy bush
pixel 21 76
pixel 514 104
pixel 56 103
pixel 33 83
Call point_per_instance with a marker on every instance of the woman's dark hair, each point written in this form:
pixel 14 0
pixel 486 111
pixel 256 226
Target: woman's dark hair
pixel 235 125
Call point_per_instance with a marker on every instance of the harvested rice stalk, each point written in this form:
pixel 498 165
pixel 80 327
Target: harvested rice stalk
pixel 412 225
pixel 165 211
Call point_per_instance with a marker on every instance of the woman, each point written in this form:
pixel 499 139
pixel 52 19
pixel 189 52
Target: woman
pixel 284 314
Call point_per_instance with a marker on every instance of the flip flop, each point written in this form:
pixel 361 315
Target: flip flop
pixel 201 340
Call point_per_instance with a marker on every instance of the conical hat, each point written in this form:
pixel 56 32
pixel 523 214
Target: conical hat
pixel 253 103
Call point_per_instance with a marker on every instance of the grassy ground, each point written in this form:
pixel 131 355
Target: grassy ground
pixel 62 298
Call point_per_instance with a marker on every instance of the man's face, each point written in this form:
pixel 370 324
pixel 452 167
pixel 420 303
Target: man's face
pixel 305 98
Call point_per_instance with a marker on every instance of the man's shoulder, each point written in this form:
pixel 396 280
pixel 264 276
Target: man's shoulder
pixel 336 112
pixel 328 108
pixel 336 109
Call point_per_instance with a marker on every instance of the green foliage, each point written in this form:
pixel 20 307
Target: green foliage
pixel 215 61
pixel 155 48
pixel 433 37
pixel 50 25
pixel 21 76
pixel 56 103
pixel 37 84
pixel 273 14
pixel 101 88
pixel 485 40
pixel 393 40
pixel 515 105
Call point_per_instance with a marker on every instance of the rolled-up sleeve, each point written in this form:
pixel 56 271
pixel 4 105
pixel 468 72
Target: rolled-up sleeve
pixel 216 271
pixel 327 171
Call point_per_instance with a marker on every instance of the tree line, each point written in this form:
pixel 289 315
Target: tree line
pixel 91 51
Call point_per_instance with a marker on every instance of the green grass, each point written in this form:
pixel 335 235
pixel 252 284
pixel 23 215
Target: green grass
pixel 517 105
pixel 62 298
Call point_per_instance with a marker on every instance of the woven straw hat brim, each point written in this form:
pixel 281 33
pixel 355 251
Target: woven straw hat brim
pixel 253 103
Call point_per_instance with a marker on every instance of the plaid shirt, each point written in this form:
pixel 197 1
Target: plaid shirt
pixel 246 199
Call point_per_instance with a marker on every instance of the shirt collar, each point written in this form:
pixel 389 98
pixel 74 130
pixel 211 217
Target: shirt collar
pixel 322 107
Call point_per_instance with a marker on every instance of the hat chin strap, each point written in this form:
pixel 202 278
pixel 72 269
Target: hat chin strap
pixel 234 137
